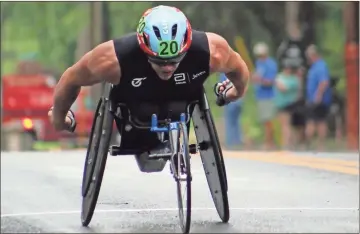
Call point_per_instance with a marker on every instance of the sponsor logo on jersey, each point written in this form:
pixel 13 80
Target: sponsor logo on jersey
pixel 136 82
pixel 198 74
pixel 180 78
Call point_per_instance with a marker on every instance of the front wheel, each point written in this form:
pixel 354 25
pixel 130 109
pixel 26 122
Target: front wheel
pixel 182 174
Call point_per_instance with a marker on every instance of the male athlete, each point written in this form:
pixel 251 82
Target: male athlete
pixel 165 60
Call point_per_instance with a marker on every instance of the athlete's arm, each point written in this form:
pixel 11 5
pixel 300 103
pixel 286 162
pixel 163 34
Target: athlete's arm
pixel 98 65
pixel 224 59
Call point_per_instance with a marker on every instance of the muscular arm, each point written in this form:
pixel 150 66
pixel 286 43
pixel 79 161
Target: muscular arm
pixel 96 66
pixel 224 59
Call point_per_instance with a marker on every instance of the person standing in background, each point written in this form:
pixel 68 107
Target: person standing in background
pixel 287 86
pixel 318 97
pixel 298 118
pixel 232 113
pixel 263 79
pixel 292 50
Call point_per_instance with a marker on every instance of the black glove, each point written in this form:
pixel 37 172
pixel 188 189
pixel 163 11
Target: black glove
pixel 221 97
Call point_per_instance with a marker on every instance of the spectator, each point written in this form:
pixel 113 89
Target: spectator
pixel 232 112
pixel 318 96
pixel 298 118
pixel 292 49
pixel 287 86
pixel 266 71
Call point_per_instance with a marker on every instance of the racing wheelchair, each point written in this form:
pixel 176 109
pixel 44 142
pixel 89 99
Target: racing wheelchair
pixel 170 131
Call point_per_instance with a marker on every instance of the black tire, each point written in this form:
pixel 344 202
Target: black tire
pixel 184 222
pixel 88 168
pixel 212 163
pixel 210 121
pixel 102 124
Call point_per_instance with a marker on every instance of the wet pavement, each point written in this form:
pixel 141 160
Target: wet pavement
pixel 268 193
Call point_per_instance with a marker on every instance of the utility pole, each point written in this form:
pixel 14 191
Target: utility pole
pixel 351 20
pixel 292 19
pixel 99 33
pixel 95 39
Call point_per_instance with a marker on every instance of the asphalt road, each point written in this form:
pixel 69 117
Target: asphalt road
pixel 268 193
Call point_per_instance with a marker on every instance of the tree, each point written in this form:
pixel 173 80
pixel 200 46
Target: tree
pixel 50 29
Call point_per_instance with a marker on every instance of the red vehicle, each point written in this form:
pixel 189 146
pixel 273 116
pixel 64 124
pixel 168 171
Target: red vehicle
pixel 26 100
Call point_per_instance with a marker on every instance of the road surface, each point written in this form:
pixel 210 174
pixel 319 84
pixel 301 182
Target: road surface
pixel 268 193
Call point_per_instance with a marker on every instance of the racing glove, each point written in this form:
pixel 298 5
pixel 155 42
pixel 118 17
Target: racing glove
pixel 221 96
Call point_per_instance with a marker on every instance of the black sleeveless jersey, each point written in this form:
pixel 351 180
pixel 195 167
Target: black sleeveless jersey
pixel 140 83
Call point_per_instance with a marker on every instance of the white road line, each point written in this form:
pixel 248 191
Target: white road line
pixel 175 209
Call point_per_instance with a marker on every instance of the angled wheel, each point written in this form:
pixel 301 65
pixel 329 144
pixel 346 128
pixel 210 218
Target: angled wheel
pixel 95 161
pixel 212 163
pixel 211 124
pixel 92 149
pixel 182 174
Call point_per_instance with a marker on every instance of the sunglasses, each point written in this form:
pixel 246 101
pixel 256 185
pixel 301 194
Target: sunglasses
pixel 165 62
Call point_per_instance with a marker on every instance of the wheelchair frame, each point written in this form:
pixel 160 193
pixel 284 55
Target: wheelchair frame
pixel 207 144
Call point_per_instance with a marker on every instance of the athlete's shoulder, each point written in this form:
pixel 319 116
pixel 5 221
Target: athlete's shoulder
pixel 220 50
pixel 127 37
pixel 217 42
pixel 199 42
pixel 126 45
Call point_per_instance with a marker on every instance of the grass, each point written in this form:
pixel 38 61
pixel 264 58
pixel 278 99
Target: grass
pixel 43 146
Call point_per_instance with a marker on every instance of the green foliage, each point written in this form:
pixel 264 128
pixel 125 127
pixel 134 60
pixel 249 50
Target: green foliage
pixel 331 40
pixel 49 29
pixel 125 16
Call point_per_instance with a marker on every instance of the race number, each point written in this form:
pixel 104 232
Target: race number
pixel 168 48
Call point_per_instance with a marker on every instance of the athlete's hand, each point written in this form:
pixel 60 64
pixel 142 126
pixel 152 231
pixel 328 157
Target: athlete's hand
pixel 225 92
pixel 68 124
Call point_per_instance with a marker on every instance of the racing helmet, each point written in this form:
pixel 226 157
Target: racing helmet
pixel 164 34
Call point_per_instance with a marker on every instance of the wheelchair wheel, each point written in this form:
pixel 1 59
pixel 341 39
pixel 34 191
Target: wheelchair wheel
pixel 93 142
pixel 183 174
pixel 211 124
pixel 95 161
pixel 212 163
